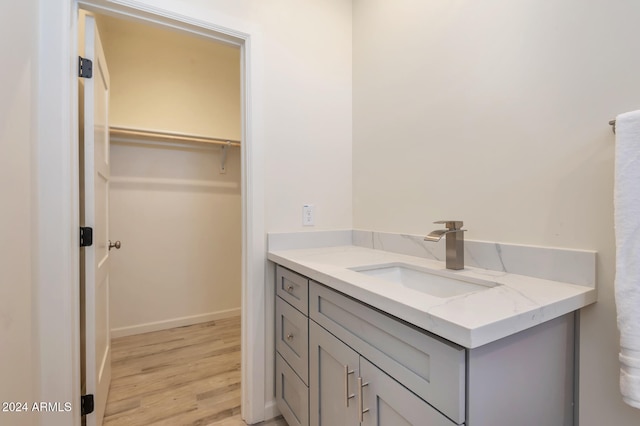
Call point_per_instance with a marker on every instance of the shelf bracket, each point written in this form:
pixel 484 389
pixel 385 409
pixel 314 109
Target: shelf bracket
pixel 223 161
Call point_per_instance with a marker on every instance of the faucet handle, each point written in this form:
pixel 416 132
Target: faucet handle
pixel 450 224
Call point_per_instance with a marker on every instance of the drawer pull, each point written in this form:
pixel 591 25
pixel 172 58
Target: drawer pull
pixel 347 397
pixel 290 336
pixel 289 288
pixel 361 409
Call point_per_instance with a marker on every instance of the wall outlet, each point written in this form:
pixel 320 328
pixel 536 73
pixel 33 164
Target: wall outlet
pixel 307 215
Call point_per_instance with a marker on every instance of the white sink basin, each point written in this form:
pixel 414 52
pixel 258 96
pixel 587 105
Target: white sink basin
pixel 435 283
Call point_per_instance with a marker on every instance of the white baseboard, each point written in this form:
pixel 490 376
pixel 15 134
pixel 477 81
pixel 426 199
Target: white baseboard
pixel 172 323
pixel 271 410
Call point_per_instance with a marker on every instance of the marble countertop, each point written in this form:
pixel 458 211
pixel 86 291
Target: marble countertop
pixel 471 320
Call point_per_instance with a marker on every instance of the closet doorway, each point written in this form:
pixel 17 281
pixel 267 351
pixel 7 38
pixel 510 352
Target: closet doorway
pixel 175 206
pixel 175 203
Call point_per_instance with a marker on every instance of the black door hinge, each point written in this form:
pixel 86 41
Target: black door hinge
pixel 85 67
pixel 86 236
pixel 86 404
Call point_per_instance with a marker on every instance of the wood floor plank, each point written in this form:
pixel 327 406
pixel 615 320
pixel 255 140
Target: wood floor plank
pixel 183 376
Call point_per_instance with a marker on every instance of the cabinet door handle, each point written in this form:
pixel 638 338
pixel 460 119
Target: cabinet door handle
pixel 289 288
pixel 361 409
pixel 290 336
pixel 347 397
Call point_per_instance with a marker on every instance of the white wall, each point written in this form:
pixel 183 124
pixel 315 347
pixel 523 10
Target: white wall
pixel 168 80
pixel 308 109
pixel 180 226
pixel 305 106
pixel 180 260
pixel 18 365
pixel 496 113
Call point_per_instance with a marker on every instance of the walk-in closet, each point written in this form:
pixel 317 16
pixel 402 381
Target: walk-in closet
pixel 174 221
pixel 175 201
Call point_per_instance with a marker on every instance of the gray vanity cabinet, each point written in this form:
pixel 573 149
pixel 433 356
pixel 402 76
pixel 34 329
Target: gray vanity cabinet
pixel 340 362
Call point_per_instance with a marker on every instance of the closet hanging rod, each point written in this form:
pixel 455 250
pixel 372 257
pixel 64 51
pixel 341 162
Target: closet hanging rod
pixel 168 136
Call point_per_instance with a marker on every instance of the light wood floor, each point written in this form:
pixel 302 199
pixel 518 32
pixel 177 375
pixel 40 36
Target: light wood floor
pixel 178 377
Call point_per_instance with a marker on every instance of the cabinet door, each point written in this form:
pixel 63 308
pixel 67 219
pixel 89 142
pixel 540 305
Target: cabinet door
pixel 333 369
pixel 385 402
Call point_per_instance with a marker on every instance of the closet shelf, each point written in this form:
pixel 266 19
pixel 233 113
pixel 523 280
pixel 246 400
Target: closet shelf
pixel 130 180
pixel 127 132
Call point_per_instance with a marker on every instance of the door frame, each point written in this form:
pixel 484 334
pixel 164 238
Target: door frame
pixel 56 178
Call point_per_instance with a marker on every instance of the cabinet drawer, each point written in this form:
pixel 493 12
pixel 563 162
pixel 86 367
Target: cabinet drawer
pixel 292 338
pixel 292 396
pixel 431 368
pixel 293 288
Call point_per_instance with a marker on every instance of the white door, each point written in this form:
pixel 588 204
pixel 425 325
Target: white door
pixel 96 208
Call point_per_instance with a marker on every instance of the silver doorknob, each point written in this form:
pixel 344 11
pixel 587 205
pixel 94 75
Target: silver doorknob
pixel 117 245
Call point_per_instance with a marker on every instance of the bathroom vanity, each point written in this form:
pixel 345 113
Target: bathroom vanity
pixel 359 341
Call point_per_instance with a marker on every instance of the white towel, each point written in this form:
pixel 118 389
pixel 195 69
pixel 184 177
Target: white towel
pixel 627 225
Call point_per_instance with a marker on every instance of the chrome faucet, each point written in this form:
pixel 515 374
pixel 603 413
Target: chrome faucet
pixel 455 242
